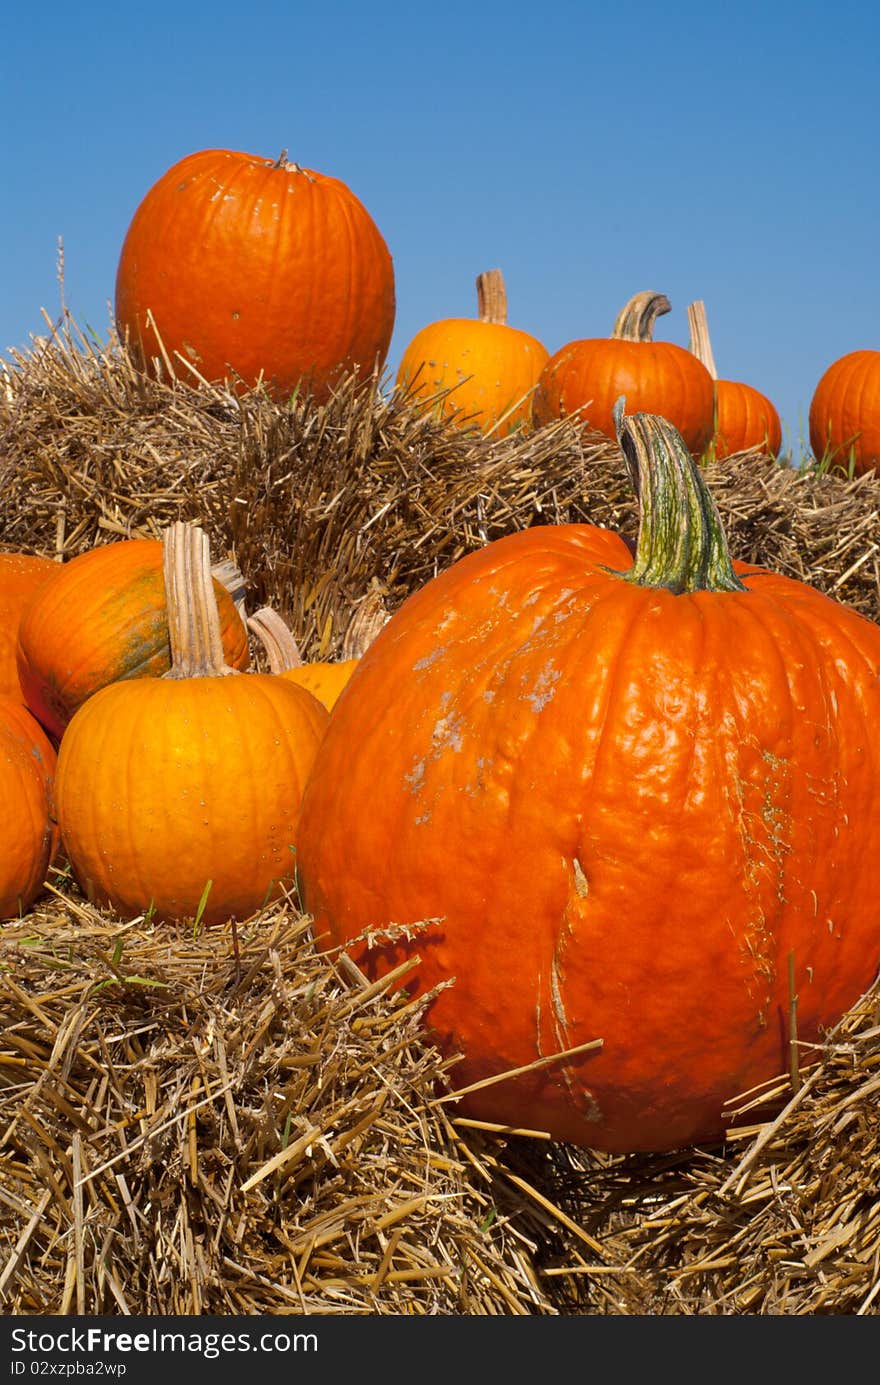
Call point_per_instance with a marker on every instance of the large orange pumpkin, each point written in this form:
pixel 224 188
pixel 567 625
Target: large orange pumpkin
pixel 181 793
pixel 21 577
pixel 584 378
pixel 744 417
pixel 29 838
pixel 845 413
pixel 480 372
pixel 625 791
pixel 102 618
pixel 255 268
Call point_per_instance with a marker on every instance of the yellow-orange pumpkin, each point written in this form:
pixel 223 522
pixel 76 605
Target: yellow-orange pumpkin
pixel 480 372
pixel 324 678
pixel 181 793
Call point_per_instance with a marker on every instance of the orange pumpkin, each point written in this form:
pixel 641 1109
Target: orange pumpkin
pixel 584 378
pixel 181 793
pixel 102 618
pixel 29 838
pixel 255 268
pixel 324 678
pixel 480 372
pixel 21 577
pixel 845 413
pixel 744 417
pixel 620 794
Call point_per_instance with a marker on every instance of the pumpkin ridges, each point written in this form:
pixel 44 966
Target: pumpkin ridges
pixel 850 644
pixel 612 799
pixel 476 372
pixel 164 784
pixel 100 619
pixel 25 856
pixel 746 418
pixel 235 841
pixel 845 412
pixel 21 577
pixel 585 377
pixel 275 305
pixel 29 842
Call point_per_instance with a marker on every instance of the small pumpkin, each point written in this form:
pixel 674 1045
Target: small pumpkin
pixel 181 793
pixel 255 269
pixel 29 839
pixel 608 798
pixel 480 372
pixel 845 413
pixel 584 378
pixel 744 417
pixel 21 577
pixel 324 678
pixel 101 618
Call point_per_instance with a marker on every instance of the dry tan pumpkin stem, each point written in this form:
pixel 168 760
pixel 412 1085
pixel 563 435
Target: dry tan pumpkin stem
pixel 700 345
pixel 366 622
pixel 271 629
pixel 193 620
pixel 635 321
pixel 492 297
pixel 231 576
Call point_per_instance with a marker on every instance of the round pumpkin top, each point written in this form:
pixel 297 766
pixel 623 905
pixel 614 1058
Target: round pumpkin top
pixel 584 377
pixel 480 372
pixel 237 266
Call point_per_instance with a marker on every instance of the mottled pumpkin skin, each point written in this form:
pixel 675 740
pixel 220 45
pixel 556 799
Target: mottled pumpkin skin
pixel 584 379
pixel 102 618
pixel 28 838
pixel 258 267
pixel 166 783
pixel 490 369
pixel 21 577
pixel 845 413
pixel 744 418
pixel 625 807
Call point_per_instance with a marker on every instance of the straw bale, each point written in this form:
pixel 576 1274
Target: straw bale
pixel 228 1122
pixel 216 1121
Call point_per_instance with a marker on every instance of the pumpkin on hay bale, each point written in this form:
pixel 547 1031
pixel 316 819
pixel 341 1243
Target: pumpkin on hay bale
pixel 242 268
pixel 626 789
pixel 213 1055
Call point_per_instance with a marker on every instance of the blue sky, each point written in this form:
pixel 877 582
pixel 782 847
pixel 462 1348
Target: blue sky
pixel 718 151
